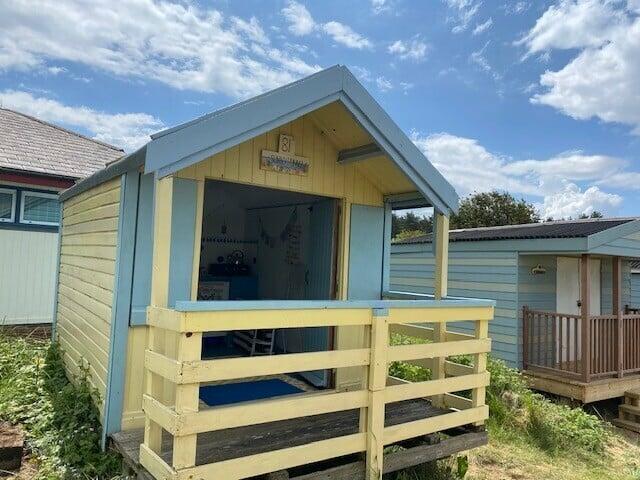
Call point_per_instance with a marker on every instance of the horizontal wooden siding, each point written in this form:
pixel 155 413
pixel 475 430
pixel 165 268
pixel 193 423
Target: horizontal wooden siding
pixel 473 274
pixel 86 280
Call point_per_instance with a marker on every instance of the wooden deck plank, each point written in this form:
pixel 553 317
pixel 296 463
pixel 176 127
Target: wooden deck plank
pixel 236 442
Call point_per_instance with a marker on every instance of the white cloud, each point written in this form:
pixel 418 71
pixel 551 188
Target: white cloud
pixel 414 49
pixel 55 70
pixel 470 167
pixel 602 79
pixel 380 6
pixel 179 44
pixel 343 34
pixel 383 84
pixel 299 18
pixel 516 8
pixel 574 24
pixel 363 74
pixel 573 202
pixel 301 22
pixel 464 11
pixel 126 130
pixel 478 58
pixel 483 27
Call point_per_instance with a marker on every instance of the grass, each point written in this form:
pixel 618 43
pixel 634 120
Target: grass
pixel 60 420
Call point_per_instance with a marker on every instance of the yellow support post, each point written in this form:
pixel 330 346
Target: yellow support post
pixel 163 199
pixel 186 401
pixel 378 372
pixel 478 395
pixel 440 292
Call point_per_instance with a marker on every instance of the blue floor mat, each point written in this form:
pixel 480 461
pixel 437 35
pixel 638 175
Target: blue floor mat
pixel 229 393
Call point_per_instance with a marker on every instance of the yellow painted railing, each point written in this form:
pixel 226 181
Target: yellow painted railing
pixel 175 372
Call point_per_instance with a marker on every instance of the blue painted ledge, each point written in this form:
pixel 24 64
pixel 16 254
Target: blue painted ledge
pixel 224 305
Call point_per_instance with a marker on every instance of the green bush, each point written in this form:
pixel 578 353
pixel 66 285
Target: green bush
pixel 550 426
pixel 60 419
pixel 516 411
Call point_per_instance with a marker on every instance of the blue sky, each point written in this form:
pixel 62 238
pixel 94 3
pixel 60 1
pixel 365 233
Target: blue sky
pixel 538 98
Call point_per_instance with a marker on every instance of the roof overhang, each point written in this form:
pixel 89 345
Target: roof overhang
pixel 182 146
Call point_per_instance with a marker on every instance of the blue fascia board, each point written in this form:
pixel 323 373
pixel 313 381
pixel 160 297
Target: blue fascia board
pixel 187 144
pixel 114 395
pixel 239 305
pixel 606 236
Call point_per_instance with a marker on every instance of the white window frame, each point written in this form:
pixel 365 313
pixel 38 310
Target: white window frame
pixel 36 194
pixel 13 194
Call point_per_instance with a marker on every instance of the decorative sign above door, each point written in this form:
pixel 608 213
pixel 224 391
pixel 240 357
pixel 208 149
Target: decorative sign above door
pixel 284 160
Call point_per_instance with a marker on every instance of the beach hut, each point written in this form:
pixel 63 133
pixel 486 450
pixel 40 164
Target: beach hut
pixel 227 287
pixel 566 298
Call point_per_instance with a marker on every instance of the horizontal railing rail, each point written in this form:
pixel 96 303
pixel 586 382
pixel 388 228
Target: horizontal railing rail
pixel 554 342
pixel 176 371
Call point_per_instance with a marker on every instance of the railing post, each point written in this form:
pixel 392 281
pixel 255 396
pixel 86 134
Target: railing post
pixel 525 338
pixel 187 400
pixel 378 371
pixel 163 199
pixel 617 311
pixel 585 287
pixel 478 395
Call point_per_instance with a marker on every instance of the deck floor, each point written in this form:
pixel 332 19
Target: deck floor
pixel 254 439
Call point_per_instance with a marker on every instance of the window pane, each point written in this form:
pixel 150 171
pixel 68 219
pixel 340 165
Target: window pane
pixel 6 205
pixel 40 209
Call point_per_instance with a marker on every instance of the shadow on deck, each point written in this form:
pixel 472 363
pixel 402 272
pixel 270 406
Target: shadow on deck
pixel 244 441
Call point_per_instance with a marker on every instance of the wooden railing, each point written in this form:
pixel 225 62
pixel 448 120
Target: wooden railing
pixel 175 372
pixel 556 343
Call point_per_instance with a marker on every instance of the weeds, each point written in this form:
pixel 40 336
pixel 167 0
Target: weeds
pixel 60 419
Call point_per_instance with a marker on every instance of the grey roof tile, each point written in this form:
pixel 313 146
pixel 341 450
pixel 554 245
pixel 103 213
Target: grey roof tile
pixel 31 145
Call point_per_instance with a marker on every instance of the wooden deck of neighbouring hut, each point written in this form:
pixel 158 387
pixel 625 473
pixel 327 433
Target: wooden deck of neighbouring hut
pixel 255 439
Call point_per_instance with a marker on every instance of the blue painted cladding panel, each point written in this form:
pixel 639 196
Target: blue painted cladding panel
pixel 141 292
pixel 365 253
pixel 489 275
pixel 183 224
pixel 182 241
pixel 321 247
pixel 320 285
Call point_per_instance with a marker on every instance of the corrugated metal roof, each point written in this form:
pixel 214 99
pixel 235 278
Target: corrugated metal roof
pixel 31 145
pixel 560 229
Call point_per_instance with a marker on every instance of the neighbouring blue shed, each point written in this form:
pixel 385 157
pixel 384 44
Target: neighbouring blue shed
pixel 543 271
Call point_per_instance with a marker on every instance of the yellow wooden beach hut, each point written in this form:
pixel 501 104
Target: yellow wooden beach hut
pixel 227 286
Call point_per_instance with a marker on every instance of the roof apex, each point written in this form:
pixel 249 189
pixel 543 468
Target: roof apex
pixel 184 145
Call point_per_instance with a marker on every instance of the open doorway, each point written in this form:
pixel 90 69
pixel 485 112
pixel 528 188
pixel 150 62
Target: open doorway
pixel 267 244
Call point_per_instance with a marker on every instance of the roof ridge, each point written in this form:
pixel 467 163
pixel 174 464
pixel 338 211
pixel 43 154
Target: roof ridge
pixel 66 130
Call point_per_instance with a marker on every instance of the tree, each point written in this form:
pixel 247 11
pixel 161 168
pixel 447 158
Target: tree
pixel 492 209
pixel 409 222
pixel 594 214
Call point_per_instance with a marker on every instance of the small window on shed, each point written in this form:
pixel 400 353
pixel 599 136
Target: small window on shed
pixel 7 205
pixel 39 208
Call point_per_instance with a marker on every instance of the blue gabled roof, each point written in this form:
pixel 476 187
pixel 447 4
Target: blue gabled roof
pixel 184 145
